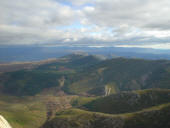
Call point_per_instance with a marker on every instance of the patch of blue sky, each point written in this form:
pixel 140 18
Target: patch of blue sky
pixel 109 30
pixel 73 6
pixel 84 5
pixel 89 4
pixel 74 26
pixel 67 3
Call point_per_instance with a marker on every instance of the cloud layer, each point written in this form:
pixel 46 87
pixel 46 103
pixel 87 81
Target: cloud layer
pixel 85 22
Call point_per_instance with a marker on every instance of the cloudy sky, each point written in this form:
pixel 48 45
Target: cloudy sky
pixel 125 23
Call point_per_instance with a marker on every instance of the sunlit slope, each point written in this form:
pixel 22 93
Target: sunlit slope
pixel 88 75
pixel 23 112
pixel 137 109
pixel 156 117
pixel 129 101
pixel 48 75
pixel 115 75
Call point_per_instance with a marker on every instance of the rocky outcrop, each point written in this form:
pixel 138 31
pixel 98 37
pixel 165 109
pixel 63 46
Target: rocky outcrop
pixel 107 91
pixel 4 123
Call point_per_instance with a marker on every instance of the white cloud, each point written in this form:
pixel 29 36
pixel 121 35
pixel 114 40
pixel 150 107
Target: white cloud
pixel 138 13
pixel 37 13
pixel 85 22
pixel 154 46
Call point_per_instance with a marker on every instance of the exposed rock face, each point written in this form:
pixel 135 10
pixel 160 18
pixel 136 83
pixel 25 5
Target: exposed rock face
pixel 61 81
pixel 107 91
pixel 4 123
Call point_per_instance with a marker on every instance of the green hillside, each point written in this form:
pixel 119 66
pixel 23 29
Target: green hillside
pixel 76 118
pixel 88 75
pixel 31 82
pixel 32 111
pixel 138 109
pixel 87 92
pixel 120 74
pixel 26 112
pixel 129 101
pixel 28 82
pixel 157 117
pixel 74 61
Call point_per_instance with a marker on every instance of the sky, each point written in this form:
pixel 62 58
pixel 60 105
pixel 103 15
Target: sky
pixel 92 23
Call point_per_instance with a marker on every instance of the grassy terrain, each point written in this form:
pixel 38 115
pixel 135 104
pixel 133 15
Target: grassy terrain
pixel 47 75
pixel 121 74
pixel 156 117
pixel 129 101
pixel 34 94
pixel 29 82
pixel 23 112
pixel 32 111
pixel 88 75
pixel 76 118
pixel 138 109
pixel 80 101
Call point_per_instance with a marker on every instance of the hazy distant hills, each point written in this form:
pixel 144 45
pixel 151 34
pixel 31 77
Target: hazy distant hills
pixel 36 53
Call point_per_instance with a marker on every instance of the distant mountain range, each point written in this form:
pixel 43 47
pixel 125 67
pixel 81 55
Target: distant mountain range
pixel 36 53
